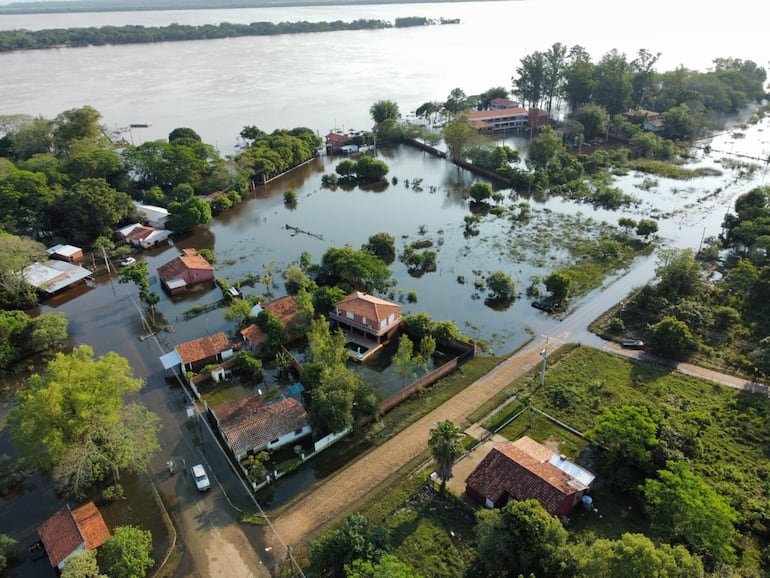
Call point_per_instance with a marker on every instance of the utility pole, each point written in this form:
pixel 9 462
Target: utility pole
pixel 544 355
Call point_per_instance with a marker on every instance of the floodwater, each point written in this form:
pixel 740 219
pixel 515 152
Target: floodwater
pixel 330 80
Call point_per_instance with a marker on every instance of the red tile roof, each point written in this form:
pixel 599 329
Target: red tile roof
pixel 66 531
pixel 284 309
pixel 363 305
pixel 203 347
pixel 254 334
pixel 248 424
pixel 190 259
pixel 92 525
pixel 60 535
pixel 493 114
pixel 510 470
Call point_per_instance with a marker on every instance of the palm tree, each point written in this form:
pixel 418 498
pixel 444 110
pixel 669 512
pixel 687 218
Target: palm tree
pixel 445 447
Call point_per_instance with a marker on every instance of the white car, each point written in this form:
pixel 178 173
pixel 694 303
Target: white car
pixel 128 261
pixel 200 477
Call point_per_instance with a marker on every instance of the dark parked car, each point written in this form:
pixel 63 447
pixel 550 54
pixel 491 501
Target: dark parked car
pixel 632 343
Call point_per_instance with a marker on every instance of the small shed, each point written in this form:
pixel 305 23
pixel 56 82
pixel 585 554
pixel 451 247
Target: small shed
pixel 68 532
pixel 68 253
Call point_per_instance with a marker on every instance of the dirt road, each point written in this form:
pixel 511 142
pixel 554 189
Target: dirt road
pixel 337 494
pixel 306 517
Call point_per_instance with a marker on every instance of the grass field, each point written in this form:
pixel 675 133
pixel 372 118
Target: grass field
pixel 721 432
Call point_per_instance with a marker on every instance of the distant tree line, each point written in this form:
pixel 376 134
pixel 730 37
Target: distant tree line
pixel 136 34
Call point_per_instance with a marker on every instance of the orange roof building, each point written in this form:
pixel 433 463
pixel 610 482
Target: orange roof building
pixel 527 470
pixel 249 425
pixel 372 317
pixel 284 309
pixel 188 269
pixel 204 350
pixel 68 532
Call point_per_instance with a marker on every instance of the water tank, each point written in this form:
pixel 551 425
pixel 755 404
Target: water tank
pixel 588 502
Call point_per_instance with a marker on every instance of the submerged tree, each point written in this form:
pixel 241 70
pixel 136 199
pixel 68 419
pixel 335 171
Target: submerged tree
pixel 73 419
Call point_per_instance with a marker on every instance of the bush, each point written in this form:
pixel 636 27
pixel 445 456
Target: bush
pixel 112 493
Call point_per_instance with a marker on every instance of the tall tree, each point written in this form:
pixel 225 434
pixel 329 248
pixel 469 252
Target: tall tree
pixel 459 136
pixel 185 216
pixel 531 83
pixel 544 148
pixel 613 82
pixel 75 125
pixel 643 79
pixel 486 97
pixel 579 81
pixel 555 63
pixel 519 539
pixel 127 553
pixel 457 102
pixel 383 246
pixel 92 208
pixel 383 110
pixel 683 507
pixel 403 360
pixel 445 447
pixel 74 418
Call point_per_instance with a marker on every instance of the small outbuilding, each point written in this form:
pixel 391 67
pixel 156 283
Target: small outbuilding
pixel 141 236
pixel 68 253
pixel 69 532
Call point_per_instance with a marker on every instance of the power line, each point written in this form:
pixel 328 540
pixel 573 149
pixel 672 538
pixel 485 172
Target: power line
pixel 262 513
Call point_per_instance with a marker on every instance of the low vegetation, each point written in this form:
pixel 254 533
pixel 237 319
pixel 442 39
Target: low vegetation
pixel 694 445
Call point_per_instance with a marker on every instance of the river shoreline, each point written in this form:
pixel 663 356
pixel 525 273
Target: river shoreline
pixel 78 6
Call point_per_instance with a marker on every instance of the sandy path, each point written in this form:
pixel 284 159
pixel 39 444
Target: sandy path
pixel 344 489
pixel 341 491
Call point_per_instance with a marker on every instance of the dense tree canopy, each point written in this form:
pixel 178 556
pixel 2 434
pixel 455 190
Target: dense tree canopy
pixel 683 507
pixel 519 539
pixel 358 539
pixel 73 418
pixel 127 552
pixel 353 270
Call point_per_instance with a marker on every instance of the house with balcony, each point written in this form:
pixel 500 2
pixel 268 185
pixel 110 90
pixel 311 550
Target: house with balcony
pixel 515 119
pixel 373 318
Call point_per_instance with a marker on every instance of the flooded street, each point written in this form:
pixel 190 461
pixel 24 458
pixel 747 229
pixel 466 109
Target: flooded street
pixel 218 87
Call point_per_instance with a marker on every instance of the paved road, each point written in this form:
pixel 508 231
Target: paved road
pixel 213 541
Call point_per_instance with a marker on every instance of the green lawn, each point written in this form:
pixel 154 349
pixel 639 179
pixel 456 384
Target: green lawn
pixel 721 432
